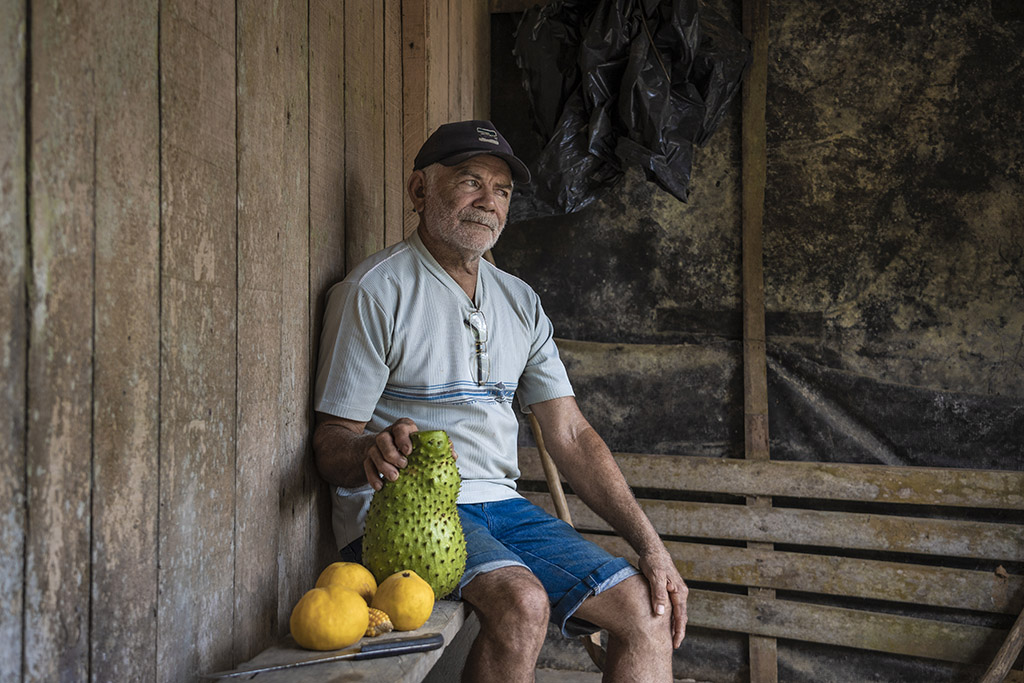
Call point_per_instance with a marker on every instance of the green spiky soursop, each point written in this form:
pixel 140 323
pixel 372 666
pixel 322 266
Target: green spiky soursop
pixel 412 522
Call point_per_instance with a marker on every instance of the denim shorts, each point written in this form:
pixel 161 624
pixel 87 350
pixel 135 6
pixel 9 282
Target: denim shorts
pixel 517 533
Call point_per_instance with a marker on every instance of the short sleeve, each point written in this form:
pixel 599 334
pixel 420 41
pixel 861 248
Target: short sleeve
pixel 352 368
pixel 544 376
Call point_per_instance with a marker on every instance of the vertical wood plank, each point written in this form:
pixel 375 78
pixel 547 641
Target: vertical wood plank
pixel 13 333
pixel 364 126
pixel 415 18
pixel 298 539
pixel 439 69
pixel 264 120
pixel 198 330
pixel 59 424
pixel 480 74
pixel 394 171
pixel 327 127
pixel 763 651
pixel 125 436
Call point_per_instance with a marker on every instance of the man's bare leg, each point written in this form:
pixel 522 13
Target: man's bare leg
pixel 513 609
pixel 639 641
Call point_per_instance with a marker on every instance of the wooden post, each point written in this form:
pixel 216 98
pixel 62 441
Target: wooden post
pixel 763 659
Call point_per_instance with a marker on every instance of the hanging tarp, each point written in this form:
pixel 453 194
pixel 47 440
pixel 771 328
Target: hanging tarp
pixel 621 84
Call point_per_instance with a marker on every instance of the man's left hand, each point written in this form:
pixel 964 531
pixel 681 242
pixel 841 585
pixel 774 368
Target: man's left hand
pixel 668 591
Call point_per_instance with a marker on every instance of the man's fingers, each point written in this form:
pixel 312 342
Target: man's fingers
pixel 678 594
pixel 400 432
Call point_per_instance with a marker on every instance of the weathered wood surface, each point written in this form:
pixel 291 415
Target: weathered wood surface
pixel 326 150
pixel 895 634
pixel 13 332
pixel 1007 654
pixel 818 480
pixel 395 171
pixel 198 337
pixel 425 68
pixel 61 194
pixel 298 494
pixel 942 537
pixel 448 618
pixel 967 589
pixel 272 318
pixel 127 350
pixel 161 510
pixel 364 127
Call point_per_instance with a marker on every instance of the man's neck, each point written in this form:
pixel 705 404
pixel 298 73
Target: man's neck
pixel 462 267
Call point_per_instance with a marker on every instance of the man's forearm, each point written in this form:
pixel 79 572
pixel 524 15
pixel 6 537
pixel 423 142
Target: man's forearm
pixel 591 471
pixel 339 454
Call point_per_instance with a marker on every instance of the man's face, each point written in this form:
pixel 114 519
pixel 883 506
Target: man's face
pixel 465 206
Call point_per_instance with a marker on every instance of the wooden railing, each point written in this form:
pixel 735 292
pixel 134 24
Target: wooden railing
pixel 893 534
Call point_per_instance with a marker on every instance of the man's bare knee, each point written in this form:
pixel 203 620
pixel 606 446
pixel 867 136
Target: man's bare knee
pixel 625 612
pixel 511 597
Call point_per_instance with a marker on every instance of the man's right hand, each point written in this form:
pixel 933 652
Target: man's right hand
pixel 386 452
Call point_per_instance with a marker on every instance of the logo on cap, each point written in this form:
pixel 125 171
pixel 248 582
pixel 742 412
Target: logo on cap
pixel 487 135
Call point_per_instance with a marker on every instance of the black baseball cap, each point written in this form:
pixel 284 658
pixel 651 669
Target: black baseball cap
pixel 453 143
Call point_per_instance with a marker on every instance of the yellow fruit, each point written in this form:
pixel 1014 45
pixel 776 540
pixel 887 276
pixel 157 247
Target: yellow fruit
pixel 349 575
pixel 379 623
pixel 329 618
pixel 406 598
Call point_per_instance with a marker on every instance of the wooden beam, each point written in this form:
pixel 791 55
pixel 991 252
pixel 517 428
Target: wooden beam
pixel 763 655
pixel 846 530
pixel 967 589
pixel 996 489
pixel 894 634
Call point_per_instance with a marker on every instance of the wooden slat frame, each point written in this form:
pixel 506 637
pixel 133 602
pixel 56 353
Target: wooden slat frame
pixel 996 489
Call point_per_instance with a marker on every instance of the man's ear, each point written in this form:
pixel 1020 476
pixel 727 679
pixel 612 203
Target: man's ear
pixel 418 190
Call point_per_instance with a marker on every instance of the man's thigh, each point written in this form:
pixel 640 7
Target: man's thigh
pixel 570 568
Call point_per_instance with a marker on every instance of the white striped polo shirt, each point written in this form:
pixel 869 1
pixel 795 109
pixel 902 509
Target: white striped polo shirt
pixel 396 343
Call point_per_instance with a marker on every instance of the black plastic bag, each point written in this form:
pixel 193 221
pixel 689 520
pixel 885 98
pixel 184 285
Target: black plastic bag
pixel 618 84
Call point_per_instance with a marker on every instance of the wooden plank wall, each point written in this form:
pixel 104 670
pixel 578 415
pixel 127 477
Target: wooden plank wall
pixel 180 182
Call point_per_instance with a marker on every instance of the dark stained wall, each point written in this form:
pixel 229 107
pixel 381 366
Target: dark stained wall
pixel 893 258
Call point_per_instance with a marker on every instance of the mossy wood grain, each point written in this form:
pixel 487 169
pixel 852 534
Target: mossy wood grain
pixel 895 634
pixel 998 489
pixel 968 589
pixel 889 533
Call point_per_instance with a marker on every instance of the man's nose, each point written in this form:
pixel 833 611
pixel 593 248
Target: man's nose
pixel 486 199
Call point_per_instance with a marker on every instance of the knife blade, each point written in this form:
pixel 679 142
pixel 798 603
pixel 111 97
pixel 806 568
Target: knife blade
pixel 370 650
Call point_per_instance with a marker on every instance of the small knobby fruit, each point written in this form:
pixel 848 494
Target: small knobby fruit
pixel 329 618
pixel 406 598
pixel 349 575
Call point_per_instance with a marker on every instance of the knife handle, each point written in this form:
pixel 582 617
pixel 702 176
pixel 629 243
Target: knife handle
pixel 389 648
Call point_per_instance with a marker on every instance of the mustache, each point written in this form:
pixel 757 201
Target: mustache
pixel 478 216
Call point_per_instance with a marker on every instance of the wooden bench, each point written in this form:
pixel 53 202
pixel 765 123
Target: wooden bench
pixel 450 618
pixel 950 539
